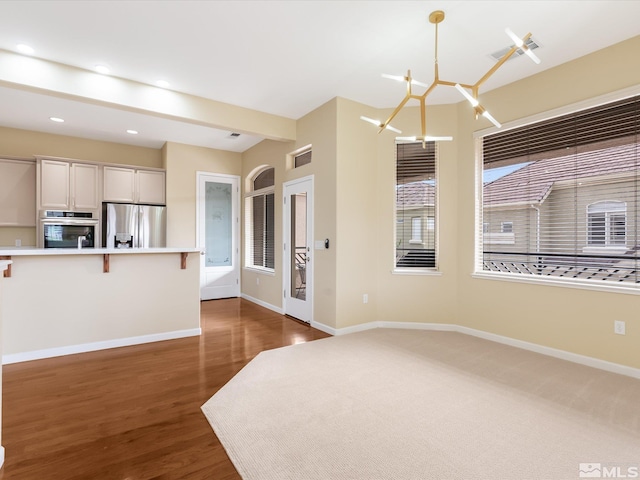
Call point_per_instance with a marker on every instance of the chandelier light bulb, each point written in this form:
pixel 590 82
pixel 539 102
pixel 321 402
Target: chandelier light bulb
pixel 474 102
pixel 521 45
pixel 400 78
pixel 489 117
pixel 379 124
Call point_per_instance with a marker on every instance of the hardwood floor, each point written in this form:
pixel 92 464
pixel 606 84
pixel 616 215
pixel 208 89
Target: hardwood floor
pixel 134 412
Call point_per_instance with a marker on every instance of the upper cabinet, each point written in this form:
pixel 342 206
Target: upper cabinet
pixel 17 193
pixel 68 185
pixel 134 186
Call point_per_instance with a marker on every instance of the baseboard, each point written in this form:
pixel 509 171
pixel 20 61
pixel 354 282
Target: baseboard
pixel 554 352
pixel 91 347
pixel 279 310
pixel 346 330
pixel 533 347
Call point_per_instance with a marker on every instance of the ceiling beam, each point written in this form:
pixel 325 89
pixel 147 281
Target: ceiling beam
pixel 64 81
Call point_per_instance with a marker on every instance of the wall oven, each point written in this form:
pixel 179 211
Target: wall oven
pixel 59 229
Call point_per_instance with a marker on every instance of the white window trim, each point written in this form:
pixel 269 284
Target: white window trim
pixel 248 195
pixel 608 246
pixel 435 271
pixel 478 272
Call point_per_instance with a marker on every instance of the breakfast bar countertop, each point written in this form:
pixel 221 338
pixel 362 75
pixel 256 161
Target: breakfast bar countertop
pixel 33 251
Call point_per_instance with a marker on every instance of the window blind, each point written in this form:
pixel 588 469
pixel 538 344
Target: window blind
pixel 260 222
pixel 416 185
pixel 568 189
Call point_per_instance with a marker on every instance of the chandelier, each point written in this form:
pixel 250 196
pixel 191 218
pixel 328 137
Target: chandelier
pixel 470 92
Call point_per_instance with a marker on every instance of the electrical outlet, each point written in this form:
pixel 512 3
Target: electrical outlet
pixel 365 298
pixel 257 280
pixel 18 242
pixel 619 327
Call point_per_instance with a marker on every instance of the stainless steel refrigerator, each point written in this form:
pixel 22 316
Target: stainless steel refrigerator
pixel 133 226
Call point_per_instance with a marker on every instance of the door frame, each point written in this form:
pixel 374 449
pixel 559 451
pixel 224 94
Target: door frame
pixel 286 258
pixel 236 228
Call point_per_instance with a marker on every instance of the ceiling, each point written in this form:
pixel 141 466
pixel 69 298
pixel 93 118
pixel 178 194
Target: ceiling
pixel 282 57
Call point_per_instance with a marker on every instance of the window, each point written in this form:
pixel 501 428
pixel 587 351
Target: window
pixel 566 190
pixel 607 224
pixel 416 230
pixel 416 203
pixel 302 158
pixel 506 227
pixel 259 221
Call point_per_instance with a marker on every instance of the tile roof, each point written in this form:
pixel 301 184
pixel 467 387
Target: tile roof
pixel 415 194
pixel 533 183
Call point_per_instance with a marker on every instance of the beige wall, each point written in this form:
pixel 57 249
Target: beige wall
pixel 406 297
pixel 25 143
pixel 264 286
pixel 319 129
pixel 8 236
pixel 575 320
pixel 182 162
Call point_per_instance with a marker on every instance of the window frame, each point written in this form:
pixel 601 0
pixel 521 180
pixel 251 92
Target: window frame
pixel 416 231
pixel 609 230
pixel 249 197
pixel 478 272
pixel 418 270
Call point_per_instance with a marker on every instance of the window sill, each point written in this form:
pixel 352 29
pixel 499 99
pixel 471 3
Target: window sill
pixel 416 271
pixel 264 271
pixel 632 289
pixel 416 242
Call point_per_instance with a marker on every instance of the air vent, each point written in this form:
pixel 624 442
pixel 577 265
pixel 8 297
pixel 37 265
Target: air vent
pixel 233 135
pixel 500 53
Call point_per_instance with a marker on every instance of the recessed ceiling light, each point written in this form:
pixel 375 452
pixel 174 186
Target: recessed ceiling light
pixel 132 132
pixel 56 119
pixel 162 84
pixel 26 49
pixel 102 69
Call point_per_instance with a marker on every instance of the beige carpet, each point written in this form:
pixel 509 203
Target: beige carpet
pixel 406 404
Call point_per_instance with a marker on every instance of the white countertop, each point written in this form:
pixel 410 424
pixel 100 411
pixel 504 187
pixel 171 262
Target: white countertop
pixel 32 251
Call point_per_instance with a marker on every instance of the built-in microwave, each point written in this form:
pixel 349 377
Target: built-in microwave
pixel 60 229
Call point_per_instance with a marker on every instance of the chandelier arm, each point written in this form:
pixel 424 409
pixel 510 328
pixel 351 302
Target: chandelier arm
pixel 453 84
pixel 394 113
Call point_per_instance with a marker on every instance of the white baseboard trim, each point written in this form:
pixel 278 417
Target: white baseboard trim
pixel 262 303
pixel 103 345
pixel 1 456
pixel 554 352
pixel 533 347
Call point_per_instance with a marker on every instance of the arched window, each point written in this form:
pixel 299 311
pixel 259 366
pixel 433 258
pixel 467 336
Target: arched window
pixel 607 223
pixel 260 220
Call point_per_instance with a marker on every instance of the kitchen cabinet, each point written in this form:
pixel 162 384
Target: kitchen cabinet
pixel 68 185
pixel 17 193
pixel 130 185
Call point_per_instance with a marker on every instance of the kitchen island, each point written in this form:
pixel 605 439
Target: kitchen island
pixel 64 301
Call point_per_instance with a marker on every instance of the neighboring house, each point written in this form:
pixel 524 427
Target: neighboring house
pixel 530 214
pixel 415 224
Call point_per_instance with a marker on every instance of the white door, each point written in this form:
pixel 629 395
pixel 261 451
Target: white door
pixel 298 239
pixel 218 229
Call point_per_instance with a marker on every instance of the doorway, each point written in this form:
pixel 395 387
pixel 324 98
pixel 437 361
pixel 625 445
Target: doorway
pixel 218 198
pixel 298 239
